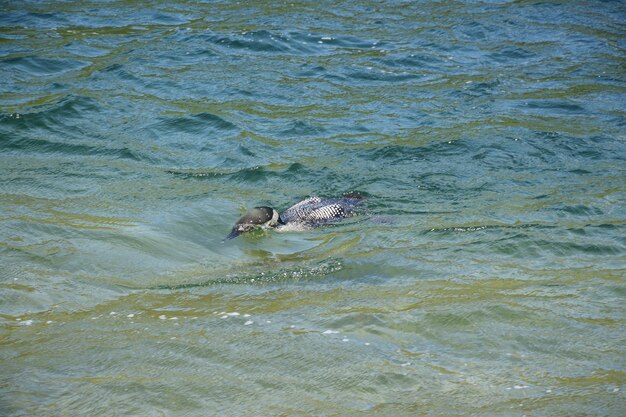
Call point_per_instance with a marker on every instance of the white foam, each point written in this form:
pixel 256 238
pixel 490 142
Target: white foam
pixel 26 323
pixel 130 316
pixel 163 317
pixel 330 332
pixel 249 322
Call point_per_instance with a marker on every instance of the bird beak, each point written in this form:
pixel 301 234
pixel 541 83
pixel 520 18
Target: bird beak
pixel 233 234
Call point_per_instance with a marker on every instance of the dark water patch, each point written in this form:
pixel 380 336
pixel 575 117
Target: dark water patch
pixel 260 41
pixel 437 182
pixel 10 51
pixel 24 19
pixel 572 249
pixel 196 124
pixel 121 72
pixel 40 175
pixel 85 50
pixel 76 17
pixel 311 71
pixel 301 128
pixel 201 173
pixel 563 147
pixel 559 106
pixel 246 151
pixel 509 153
pixel 284 42
pixel 580 171
pixel 482 89
pixel 6 37
pixel 60 128
pixel 39 66
pixel 475 31
pixel 378 75
pixel 343 41
pixel 24 144
pixel 512 56
pixel 176 58
pixel 273 183
pixel 431 151
pixel 295 173
pixel 63 114
pixel 608 227
pixel 156 17
pixel 578 210
pixel 253 174
pixel 495 157
pixel 78 121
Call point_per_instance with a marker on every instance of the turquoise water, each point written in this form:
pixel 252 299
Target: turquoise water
pixel 485 276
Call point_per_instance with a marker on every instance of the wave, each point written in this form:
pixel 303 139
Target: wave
pixel 40 66
pixel 59 128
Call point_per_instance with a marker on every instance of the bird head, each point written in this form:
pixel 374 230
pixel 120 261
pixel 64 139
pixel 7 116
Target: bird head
pixel 258 217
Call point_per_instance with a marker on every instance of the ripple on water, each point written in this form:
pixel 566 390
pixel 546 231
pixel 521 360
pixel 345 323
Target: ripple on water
pixel 485 275
pixel 39 66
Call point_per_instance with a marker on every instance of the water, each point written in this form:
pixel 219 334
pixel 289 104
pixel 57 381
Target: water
pixel 485 277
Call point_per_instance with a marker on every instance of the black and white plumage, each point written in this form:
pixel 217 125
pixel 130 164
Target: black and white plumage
pixel 315 210
pixel 312 212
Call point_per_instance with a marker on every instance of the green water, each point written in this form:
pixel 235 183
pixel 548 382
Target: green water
pixel 484 276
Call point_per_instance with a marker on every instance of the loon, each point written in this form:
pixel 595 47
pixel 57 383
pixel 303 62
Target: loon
pixel 309 213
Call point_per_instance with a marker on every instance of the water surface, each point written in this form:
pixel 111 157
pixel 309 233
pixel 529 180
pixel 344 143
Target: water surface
pixel 484 277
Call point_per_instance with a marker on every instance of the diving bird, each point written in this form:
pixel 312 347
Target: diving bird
pixel 309 213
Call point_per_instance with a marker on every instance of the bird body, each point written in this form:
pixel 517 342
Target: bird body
pixel 316 211
pixel 309 213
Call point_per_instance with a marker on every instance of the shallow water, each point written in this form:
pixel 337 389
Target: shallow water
pixel 485 276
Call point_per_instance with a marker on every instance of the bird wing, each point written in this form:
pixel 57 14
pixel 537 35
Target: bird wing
pixel 311 201
pixel 301 210
pixel 332 211
pixel 317 210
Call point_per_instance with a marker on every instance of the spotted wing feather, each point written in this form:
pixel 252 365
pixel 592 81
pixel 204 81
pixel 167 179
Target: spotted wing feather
pixel 333 211
pixel 316 211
